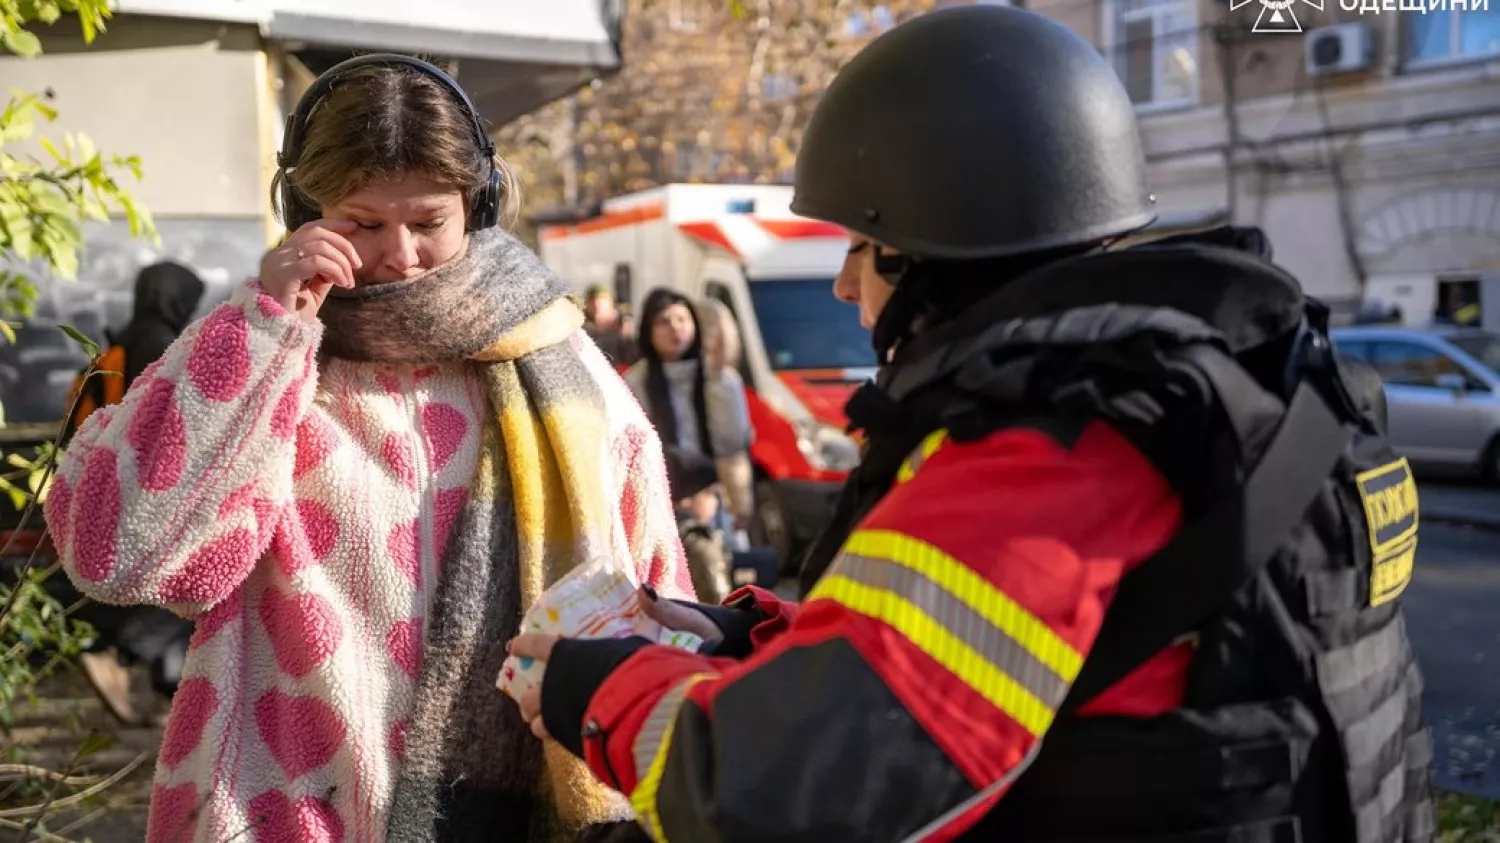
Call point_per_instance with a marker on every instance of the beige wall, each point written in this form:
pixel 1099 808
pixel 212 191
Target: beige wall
pixel 184 96
pixel 622 126
pixel 1269 64
pixel 1264 64
pixel 189 99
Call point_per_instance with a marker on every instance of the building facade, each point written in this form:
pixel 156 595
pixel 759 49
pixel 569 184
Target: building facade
pixel 1365 141
pixel 1376 171
pixel 199 89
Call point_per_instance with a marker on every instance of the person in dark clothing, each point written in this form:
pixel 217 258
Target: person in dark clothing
pixel 693 478
pixel 166 296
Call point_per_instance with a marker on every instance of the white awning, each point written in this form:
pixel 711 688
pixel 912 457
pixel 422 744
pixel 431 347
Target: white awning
pixel 550 32
pixel 513 55
pixel 533 31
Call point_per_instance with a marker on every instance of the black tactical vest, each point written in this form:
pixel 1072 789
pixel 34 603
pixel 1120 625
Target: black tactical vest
pixel 1302 718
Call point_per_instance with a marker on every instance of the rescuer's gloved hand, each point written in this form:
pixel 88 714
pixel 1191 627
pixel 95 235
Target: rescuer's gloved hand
pixel 746 617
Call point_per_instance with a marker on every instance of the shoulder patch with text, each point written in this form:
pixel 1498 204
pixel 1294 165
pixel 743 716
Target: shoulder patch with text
pixel 1389 494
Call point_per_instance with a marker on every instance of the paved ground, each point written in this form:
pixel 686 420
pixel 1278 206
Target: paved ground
pixel 1453 610
pixel 49 733
pixel 1463 502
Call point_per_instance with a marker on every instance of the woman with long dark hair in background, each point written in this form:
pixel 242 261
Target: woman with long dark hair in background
pixel 697 404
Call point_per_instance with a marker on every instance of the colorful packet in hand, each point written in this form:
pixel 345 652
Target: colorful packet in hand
pixel 593 601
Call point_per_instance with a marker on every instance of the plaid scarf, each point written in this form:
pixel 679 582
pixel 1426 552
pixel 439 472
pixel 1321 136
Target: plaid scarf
pixel 538 505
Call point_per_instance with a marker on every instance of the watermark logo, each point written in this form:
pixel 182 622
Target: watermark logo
pixel 1277 15
pixel 1375 7
pixel 1281 15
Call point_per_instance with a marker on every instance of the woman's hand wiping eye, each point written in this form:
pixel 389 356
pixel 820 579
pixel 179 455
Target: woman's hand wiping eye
pixel 317 257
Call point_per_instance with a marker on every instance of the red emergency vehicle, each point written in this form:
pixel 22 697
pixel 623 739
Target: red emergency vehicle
pixel 804 352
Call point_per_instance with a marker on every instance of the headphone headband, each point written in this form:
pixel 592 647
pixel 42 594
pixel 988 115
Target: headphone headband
pixel 485 210
pixel 296 125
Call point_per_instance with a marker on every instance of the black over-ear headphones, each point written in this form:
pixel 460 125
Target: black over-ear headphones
pixel 484 210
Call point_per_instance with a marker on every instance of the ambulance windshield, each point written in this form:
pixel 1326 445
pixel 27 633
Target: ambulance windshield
pixel 805 327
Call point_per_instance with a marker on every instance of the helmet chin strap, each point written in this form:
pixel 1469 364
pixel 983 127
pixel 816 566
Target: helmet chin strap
pixel 898 317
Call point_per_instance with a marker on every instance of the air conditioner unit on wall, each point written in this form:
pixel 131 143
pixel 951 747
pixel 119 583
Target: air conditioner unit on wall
pixel 1340 48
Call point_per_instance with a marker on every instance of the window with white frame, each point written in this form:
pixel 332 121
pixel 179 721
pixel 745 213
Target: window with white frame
pixel 1444 35
pixel 1154 46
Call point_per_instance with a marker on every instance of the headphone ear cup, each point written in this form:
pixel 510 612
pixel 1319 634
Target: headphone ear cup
pixel 298 215
pixel 294 212
pixel 485 212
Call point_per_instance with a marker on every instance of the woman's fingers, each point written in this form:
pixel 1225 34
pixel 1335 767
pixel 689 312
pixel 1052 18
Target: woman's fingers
pixel 336 234
pixel 531 704
pixel 323 254
pixel 532 645
pixel 317 268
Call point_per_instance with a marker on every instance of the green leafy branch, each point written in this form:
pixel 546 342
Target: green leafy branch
pixel 30 619
pixel 43 203
pixel 49 188
pixel 15 14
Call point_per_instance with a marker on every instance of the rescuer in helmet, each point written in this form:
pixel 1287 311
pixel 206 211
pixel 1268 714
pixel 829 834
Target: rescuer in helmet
pixel 1121 498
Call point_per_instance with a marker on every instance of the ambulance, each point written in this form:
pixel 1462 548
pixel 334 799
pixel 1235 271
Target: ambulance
pixel 803 352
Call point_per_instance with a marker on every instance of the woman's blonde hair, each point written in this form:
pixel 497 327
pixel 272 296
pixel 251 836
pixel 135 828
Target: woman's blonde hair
pixel 380 122
pixel 721 337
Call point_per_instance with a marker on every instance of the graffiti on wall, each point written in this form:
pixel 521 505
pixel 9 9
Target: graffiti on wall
pixel 37 371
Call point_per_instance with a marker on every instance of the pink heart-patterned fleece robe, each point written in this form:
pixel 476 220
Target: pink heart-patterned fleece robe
pixel 298 509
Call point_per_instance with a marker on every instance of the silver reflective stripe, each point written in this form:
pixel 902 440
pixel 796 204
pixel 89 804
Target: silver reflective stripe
pixel 961 620
pixel 1365 739
pixel 1372 818
pixel 1348 667
pixel 648 740
pixel 928 447
pixel 961 808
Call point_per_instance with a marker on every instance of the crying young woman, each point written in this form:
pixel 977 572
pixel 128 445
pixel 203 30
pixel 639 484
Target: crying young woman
pixel 355 475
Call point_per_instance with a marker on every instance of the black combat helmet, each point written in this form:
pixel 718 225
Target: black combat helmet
pixel 975 132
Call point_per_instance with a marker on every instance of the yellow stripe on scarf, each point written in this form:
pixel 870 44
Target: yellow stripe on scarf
pixel 554 456
pixel 552 324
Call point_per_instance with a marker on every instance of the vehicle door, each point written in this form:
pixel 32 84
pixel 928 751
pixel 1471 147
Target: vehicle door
pixel 1438 409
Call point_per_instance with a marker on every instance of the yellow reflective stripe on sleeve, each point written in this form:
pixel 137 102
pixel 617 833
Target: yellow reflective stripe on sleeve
pixel 650 751
pixel 976 631
pixel 922 454
pixel 973 590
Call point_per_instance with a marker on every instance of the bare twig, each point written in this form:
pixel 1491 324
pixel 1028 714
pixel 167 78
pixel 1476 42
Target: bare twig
pixel 14 786
pixel 83 820
pixel 42 834
pixel 37 811
pixel 246 830
pixel 27 771
pixel 10 601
